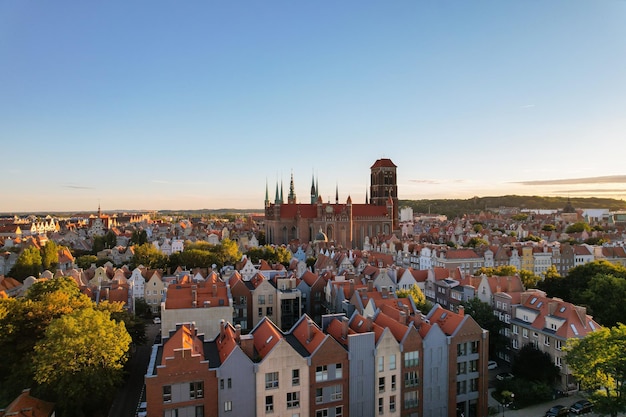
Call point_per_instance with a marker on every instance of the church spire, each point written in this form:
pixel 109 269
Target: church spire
pixel 276 199
pixel 267 194
pixel 281 191
pixel 291 199
pixel 336 193
pixel 313 192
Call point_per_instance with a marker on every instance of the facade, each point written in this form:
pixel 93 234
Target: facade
pixel 346 225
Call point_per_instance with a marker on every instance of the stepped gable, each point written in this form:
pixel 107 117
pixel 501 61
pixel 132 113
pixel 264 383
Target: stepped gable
pixel 184 338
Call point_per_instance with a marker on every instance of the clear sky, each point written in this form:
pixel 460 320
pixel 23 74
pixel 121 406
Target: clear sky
pixel 197 104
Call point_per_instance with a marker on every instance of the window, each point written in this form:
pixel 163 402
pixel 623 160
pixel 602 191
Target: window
pixel 410 399
pixel 338 371
pixel 339 411
pixel 260 311
pixel 515 344
pixel 393 382
pixel 557 361
pixel 322 413
pixel 515 329
pixel 461 387
pixel 228 406
pixel 411 379
pixel 199 411
pixel 230 383
pixel 221 383
pixel 319 398
pixel 381 363
pixel 270 311
pixel 271 380
pixel 474 346
pixel 321 373
pixel 557 344
pixel 411 358
pixel 392 362
pixel 336 392
pixel 293 399
pixel 381 384
pixel 473 366
pixel 261 299
pixel 461 368
pixel 196 390
pixel 295 377
pixel 381 407
pixel 269 404
pixel 392 403
pixel 270 299
pixel 461 349
pixel 546 340
pixel 474 385
pixel 167 393
pixel 525 333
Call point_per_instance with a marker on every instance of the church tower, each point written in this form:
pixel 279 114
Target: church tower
pixel 291 199
pixel 384 185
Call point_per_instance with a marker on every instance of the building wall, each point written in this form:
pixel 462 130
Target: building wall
pixel 207 319
pixel 236 386
pixel 363 372
pixel 435 371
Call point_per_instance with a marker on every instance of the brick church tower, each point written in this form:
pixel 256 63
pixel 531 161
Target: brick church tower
pixel 384 185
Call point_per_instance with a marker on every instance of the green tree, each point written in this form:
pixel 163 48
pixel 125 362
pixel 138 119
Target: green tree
pixel 598 363
pixel 548 227
pixel 519 217
pixel 110 240
pixel 50 256
pixel 532 364
pixel 421 303
pixel 85 261
pixel 595 241
pixel 135 326
pixel 483 314
pixel 475 242
pixel 577 227
pixel 28 263
pixel 98 244
pixel 577 279
pixel 478 227
pixel 80 360
pixel 531 238
pixel 148 256
pixel 502 271
pixel 529 280
pixel 139 237
pixel 605 297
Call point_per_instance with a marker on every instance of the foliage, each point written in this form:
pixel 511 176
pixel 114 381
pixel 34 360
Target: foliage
pixel 478 227
pixel 136 328
pixel 605 297
pixel 577 227
pixel 598 363
pixel 261 238
pixel 110 240
pixel 80 360
pixel 475 242
pixel 551 273
pixel 595 241
pixel 139 237
pixel 85 261
pixel 421 303
pixel 98 244
pixel 142 308
pixel 148 256
pixel 310 261
pixel 519 217
pixel 548 227
pixel 526 392
pixel 531 364
pixel 28 263
pixel 529 280
pixel 272 254
pixel 483 314
pixel 502 271
pixel 204 254
pixel 50 256
pixel 531 238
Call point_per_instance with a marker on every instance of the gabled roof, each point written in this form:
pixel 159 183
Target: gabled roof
pixel 28 406
pixel 308 334
pixel 184 337
pixel 266 335
pixel 447 320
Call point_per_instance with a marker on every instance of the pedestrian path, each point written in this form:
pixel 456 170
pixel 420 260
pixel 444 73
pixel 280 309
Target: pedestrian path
pixel 537 410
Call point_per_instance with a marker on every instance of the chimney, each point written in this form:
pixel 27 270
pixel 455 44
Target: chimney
pixel 247 345
pixel 370 285
pixel 369 321
pixel 351 286
pixel 309 331
pixel 238 333
pixel 552 307
pixel 344 328
pixel 214 290
pixel 402 319
pixel 222 327
pixel 385 291
pixel 461 311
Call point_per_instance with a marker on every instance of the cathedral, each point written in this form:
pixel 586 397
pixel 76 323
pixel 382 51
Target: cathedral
pixel 341 224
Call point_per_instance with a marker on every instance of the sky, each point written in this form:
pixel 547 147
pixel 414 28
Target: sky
pixel 161 105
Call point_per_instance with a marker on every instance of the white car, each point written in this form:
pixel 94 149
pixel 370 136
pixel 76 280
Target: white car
pixel 142 410
pixel 156 320
pixel 492 365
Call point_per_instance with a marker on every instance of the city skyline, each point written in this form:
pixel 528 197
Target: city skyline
pixel 192 106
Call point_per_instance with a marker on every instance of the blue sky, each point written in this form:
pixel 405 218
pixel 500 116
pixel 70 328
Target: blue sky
pixel 175 105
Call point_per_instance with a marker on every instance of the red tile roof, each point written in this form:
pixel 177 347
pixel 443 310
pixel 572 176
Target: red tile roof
pixel 308 334
pixel 184 338
pixel 383 162
pixel 28 406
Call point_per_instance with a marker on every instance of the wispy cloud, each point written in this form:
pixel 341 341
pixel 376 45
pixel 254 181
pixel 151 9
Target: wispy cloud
pixel 609 179
pixel 526 106
pixel 434 182
pixel 594 191
pixel 77 187
pixel 437 182
pixel 177 183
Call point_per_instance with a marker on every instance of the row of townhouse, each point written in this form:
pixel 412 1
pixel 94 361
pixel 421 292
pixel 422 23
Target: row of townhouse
pixel 386 363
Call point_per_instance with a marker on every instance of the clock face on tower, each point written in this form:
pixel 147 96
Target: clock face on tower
pixel 329 209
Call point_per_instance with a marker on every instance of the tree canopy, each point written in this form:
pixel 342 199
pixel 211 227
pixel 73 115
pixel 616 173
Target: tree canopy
pixel 272 254
pixel 483 314
pixel 148 256
pixel 598 363
pixel 418 297
pixel 28 263
pixel 577 227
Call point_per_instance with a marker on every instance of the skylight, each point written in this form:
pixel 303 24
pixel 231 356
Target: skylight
pixel 269 339
pixel 574 329
pixel 533 300
pixel 540 304
pixel 562 309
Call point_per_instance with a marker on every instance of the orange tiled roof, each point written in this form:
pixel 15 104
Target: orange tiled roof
pixel 266 335
pixel 184 338
pixel 308 334
pixel 28 406
pixel 446 319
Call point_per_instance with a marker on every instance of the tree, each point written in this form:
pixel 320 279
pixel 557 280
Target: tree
pixel 98 244
pixel 483 314
pixel 502 271
pixel 476 241
pixel 85 261
pixel 605 297
pixel 80 360
pixel 519 217
pixel 529 280
pixel 577 227
pixel 598 363
pixel 139 237
pixel 27 264
pixel 110 240
pixel 148 256
pixel 50 256
pixel 478 227
pixel 578 278
pixel 548 227
pixel 532 364
pixel 421 303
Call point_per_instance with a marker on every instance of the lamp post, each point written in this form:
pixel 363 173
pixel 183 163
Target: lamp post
pixel 505 404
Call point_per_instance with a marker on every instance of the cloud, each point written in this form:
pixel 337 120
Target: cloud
pixel 437 182
pixel 593 191
pixel 609 179
pixel 526 106
pixel 177 183
pixel 77 187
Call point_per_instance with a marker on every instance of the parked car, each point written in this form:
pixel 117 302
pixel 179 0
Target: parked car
pixel 156 320
pixel 492 365
pixel 581 407
pixel 504 376
pixel 142 410
pixel 557 411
